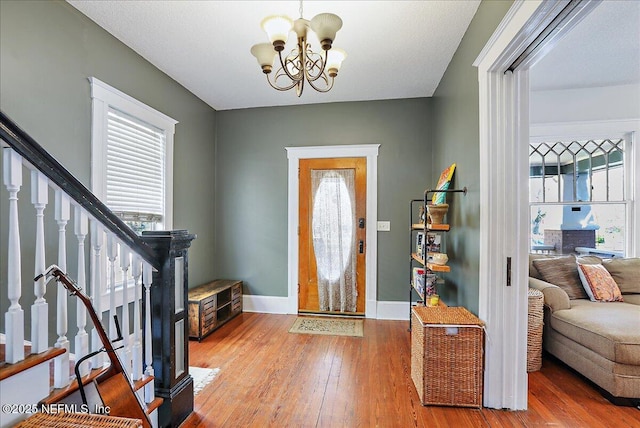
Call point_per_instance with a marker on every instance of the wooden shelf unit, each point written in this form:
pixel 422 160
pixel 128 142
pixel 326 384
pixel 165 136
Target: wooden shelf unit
pixel 213 304
pixel 419 259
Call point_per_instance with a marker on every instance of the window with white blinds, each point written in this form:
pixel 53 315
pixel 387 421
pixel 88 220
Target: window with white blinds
pixel 132 158
pixel 135 178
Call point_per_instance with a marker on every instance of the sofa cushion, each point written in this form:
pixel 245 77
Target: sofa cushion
pixel 533 272
pixel 563 272
pixel 599 284
pixel 609 330
pixel 633 299
pixel 626 273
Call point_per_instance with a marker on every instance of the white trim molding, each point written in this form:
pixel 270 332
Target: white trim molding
pixel 104 96
pixel 265 304
pixel 504 226
pixel 391 310
pixel 294 154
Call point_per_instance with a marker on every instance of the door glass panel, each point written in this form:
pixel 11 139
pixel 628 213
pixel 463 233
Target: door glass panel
pixel 333 233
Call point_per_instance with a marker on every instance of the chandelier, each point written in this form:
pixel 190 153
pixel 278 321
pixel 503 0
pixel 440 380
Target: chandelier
pixel 302 63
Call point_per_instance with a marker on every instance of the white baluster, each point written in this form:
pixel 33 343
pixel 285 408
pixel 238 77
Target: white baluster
pixel 149 392
pixel 97 240
pixel 112 255
pixel 82 338
pixel 125 262
pixel 14 317
pixel 61 363
pixel 136 271
pixel 40 308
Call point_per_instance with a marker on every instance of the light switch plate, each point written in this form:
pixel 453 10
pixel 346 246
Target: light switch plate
pixel 384 226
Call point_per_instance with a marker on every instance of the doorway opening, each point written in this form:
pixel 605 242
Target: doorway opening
pixel 370 153
pixel 332 215
pixel 527 32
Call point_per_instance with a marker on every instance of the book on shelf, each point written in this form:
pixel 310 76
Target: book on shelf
pixel 420 244
pixel 418 279
pixel 433 242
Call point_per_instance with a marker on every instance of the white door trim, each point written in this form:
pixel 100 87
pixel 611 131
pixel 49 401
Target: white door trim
pixel 504 228
pixel 294 154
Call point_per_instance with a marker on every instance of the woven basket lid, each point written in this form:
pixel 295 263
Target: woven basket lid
pixel 450 315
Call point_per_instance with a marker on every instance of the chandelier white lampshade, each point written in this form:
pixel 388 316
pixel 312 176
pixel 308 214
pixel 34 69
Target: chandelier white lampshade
pixel 334 60
pixel 265 54
pixel 326 25
pixel 302 64
pixel 277 27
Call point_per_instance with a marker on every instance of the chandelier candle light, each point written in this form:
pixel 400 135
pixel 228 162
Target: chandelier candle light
pixel 301 63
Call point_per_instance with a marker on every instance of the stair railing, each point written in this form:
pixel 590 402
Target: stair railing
pixel 77 212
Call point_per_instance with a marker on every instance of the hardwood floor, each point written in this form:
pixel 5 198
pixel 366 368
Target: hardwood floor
pixel 272 378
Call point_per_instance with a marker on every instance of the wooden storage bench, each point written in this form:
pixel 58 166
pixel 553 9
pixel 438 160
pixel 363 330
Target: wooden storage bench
pixel 211 305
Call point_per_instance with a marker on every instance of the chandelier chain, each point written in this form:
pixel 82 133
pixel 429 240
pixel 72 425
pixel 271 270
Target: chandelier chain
pixel 300 8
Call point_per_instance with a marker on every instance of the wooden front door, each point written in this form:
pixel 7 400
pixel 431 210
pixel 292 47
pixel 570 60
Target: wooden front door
pixel 332 235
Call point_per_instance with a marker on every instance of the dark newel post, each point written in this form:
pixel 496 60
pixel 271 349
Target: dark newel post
pixel 169 326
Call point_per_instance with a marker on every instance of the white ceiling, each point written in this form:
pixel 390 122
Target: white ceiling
pixel 396 49
pixel 602 50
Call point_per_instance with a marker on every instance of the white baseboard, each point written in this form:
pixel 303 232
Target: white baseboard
pixel 279 305
pixel 265 304
pixel 393 311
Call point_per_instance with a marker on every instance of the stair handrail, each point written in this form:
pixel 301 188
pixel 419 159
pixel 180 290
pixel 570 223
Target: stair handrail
pixel 44 162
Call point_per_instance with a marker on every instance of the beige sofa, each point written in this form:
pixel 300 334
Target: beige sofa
pixel 600 340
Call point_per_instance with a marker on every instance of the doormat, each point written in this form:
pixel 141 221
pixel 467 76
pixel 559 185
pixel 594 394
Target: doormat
pixel 328 326
pixel 202 377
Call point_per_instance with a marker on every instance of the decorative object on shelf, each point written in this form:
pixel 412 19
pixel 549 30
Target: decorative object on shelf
pixel 422 215
pixel 302 63
pixel 434 300
pixel 438 258
pixel 437 212
pixel 443 184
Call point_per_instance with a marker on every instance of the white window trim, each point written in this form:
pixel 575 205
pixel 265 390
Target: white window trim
pixel 104 96
pixel 370 151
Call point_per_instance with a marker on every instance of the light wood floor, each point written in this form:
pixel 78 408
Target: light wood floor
pixel 272 378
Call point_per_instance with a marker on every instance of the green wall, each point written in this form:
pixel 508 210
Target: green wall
pixel 231 166
pixel 47 51
pixel 251 194
pixel 456 139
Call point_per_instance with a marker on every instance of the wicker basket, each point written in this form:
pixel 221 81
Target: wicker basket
pixel 447 355
pixel 534 330
pixel 77 420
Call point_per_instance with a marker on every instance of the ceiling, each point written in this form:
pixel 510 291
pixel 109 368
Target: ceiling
pixel 396 49
pixel 602 50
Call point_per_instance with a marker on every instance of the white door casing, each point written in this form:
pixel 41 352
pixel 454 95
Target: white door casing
pixel 504 225
pixel 294 154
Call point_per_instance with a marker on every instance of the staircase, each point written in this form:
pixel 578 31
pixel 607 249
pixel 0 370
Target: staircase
pixel 112 265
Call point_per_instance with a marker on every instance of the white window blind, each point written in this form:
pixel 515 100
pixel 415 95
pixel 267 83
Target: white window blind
pixel 135 175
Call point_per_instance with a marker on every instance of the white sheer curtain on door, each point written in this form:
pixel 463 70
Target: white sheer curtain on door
pixel 334 244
